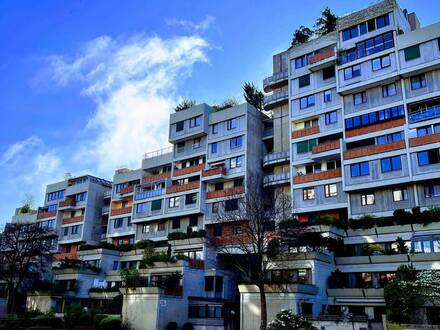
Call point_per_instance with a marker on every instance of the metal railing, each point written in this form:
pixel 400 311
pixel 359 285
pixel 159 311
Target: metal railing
pixel 277 177
pixel 268 132
pixel 276 77
pixel 149 194
pixel 159 152
pixel 276 97
pixel 423 114
pixel 276 156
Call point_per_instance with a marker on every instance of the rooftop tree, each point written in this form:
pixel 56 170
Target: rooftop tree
pixel 326 23
pixel 301 35
pixel 253 96
pixel 185 104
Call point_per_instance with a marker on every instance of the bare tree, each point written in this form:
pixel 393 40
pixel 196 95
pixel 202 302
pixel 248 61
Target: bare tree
pixel 24 256
pixel 265 225
pixel 253 96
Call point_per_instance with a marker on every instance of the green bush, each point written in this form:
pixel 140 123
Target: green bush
pixel 110 323
pixel 126 247
pixel 286 320
pixel 48 320
pixel 72 313
pixel 97 319
pixel 394 326
pixel 177 235
pixel 144 244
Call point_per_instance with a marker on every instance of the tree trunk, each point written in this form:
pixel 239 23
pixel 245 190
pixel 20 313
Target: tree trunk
pixel 11 300
pixel 263 307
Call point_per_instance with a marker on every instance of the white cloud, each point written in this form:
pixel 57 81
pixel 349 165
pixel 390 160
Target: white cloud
pixel 191 26
pixel 16 148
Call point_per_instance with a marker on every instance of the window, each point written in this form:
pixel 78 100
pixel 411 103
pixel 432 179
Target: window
pixel 428 157
pixel 304 81
pixel 391 164
pixel 194 221
pixel 382 21
pixel 307 101
pixel 236 162
pixel 209 283
pixel 432 190
pixel 218 230
pixel 327 96
pixel 75 230
pixel 176 223
pixel 118 223
pixel 374 117
pixel 412 53
pixel 360 98
pixel 191 199
pixel 214 147
pixel 232 123
pixel 305 146
pixel 174 202
pixel 238 183
pixel 422 131
pixel 352 72
pixel 181 146
pixel 196 121
pixel 115 265
pixel 205 311
pixel 350 33
pixel 363 28
pixel 381 62
pixel 142 207
pixel 81 197
pixel 129 222
pixel 196 143
pixel 214 129
pixel 389 90
pixel 308 194
pixel 145 229
pixel 231 205
pixel 215 208
pixel 331 190
pixel 394 137
pixel 359 169
pixel 52 207
pixel 156 205
pixel 328 73
pixel 236 142
pixel 237 229
pixel 367 199
pixel 66 231
pixel 331 117
pixel 161 226
pixel 179 126
pixel 418 82
pixel 301 61
pixel 55 195
pixel 371 24
pixel 400 194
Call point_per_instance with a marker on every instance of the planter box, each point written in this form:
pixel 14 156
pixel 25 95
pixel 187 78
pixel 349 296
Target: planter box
pixel 425 257
pixel 430 226
pixel 394 229
pixel 187 241
pixel 104 295
pixel 346 292
pixel 353 260
pixel 389 258
pixel 361 232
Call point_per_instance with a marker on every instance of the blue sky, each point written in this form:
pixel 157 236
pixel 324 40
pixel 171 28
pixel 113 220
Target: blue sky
pixel 87 86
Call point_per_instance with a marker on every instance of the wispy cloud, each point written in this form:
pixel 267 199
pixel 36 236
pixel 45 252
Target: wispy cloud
pixel 133 83
pixel 192 26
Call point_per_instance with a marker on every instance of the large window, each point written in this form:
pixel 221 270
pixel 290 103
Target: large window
pixel 232 123
pixel 418 82
pixel 400 194
pixel 55 195
pixel 304 81
pixel 236 142
pixel 308 194
pixel 117 223
pixel 367 199
pixel 331 117
pixel 350 33
pixel 191 199
pixel 236 162
pixel 174 202
pixel 141 208
pixel 380 63
pixel 364 27
pixel 179 126
pixel 428 157
pixel 81 197
pixel 391 164
pixel 432 190
pixel 231 205
pixel 359 98
pixel 389 138
pixel 196 121
pixel 156 205
pixel 305 146
pixel 205 311
pixel 360 169
pixel 412 53
pixel 352 72
pixel 368 47
pixel 328 73
pixel 307 101
pixel 331 190
pixel 374 117
pixel 389 90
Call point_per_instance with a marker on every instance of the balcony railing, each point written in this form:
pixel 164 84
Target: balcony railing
pixel 183 187
pixel 149 194
pixel 126 190
pixel 276 157
pixel 327 146
pixel 271 179
pixel 156 177
pixel 374 149
pixel 424 114
pixel 214 171
pixel 46 214
pixel 334 173
pixel 275 78
pixel 305 132
pixel 276 97
pixel 67 203
pixel 267 132
pixel 159 152
pixel 108 194
pixel 321 56
pixel 120 211
pixel 67 221
pixel 375 128
pixel 63 256
pixel 426 139
pixel 189 170
pixel 225 192
pixel 356 54
pixel 105 209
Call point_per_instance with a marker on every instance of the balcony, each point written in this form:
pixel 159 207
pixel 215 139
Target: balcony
pixel 355 293
pixel 105 209
pixel 375 128
pixel 330 174
pixel 327 146
pixel 46 214
pixel 276 158
pixel 108 194
pixel 126 190
pixel 214 173
pixel 305 132
pixel 423 140
pixel 322 60
pixel 267 132
pixel 67 221
pixel 149 194
pixel 189 170
pixel 424 114
pixel 183 187
pixel 67 203
pixel 121 211
pixel 64 256
pixel 275 179
pixel 374 149
pixel 276 99
pixel 276 80
pixel 156 177
pixel 225 192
